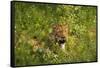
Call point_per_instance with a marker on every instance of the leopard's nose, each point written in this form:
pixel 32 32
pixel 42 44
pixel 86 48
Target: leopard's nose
pixel 62 40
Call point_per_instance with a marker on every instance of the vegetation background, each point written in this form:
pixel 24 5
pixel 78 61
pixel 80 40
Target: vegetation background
pixel 33 25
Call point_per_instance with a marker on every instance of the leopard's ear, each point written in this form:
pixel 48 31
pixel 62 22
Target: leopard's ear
pixel 65 25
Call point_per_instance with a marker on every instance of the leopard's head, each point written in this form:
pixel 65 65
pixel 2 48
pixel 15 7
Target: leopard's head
pixel 60 32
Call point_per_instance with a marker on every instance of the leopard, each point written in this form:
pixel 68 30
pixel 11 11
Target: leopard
pixel 59 34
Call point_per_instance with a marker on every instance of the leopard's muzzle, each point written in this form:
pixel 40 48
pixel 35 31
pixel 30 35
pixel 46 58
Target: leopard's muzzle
pixel 62 40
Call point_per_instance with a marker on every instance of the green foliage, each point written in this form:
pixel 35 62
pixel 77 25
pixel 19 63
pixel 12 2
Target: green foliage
pixel 35 20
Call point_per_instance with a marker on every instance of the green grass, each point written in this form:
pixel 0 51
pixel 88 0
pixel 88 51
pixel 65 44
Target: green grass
pixel 35 20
